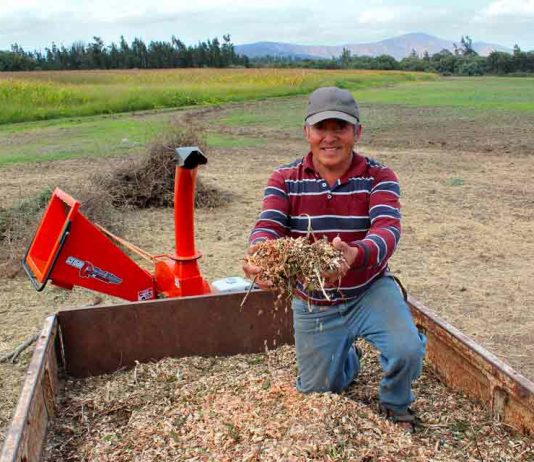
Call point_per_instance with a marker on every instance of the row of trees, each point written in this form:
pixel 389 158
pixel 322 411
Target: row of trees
pixel 96 55
pixel 464 60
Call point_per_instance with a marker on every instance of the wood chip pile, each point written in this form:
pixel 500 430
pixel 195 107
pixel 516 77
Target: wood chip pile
pixel 245 408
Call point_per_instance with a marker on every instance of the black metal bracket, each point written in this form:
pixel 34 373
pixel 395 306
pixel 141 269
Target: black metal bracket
pixel 190 157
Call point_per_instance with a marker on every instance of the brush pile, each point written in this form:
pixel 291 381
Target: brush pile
pixel 287 261
pixel 246 408
pixel 149 181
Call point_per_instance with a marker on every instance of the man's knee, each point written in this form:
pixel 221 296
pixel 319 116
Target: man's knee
pixel 408 351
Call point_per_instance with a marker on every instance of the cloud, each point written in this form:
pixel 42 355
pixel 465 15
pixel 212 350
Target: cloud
pixel 506 22
pixel 36 23
pixel 509 8
pixel 382 14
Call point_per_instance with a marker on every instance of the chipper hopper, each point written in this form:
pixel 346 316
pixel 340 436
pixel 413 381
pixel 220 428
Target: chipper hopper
pixel 191 319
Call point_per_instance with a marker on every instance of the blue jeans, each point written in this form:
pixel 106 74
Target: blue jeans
pixel 324 337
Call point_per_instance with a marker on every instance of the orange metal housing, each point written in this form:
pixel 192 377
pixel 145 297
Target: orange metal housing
pixel 71 251
pixel 178 275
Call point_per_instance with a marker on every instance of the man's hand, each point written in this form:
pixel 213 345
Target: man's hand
pixel 252 271
pixel 349 256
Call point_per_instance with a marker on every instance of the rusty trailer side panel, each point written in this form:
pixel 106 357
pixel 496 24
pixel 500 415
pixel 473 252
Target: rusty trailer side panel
pixel 37 402
pixel 101 340
pixel 465 366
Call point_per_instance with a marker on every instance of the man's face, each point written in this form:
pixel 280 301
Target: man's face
pixel 331 142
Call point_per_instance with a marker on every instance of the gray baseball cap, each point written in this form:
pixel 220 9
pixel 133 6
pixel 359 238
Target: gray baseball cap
pixel 332 103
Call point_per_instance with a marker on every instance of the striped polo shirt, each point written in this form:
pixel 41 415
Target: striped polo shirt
pixel 362 208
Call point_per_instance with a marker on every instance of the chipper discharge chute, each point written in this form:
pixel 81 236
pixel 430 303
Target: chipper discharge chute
pixel 69 250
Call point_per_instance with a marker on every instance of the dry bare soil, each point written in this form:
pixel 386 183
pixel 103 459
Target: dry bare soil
pixel 467 247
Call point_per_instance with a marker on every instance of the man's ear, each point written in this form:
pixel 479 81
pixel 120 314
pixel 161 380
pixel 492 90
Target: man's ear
pixel 307 132
pixel 358 132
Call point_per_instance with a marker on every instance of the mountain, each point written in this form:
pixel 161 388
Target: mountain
pixel 398 47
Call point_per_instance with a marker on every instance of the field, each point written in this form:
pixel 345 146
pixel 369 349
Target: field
pixel 28 96
pixel 463 149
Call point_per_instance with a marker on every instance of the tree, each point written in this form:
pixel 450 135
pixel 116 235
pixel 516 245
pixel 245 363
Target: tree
pixel 499 62
pixel 139 54
pixel 473 65
pixel 414 63
pixel 385 62
pixel 76 55
pixel 466 48
pixel 345 58
pixel 519 59
pixel 16 60
pixel 96 54
pixel 444 62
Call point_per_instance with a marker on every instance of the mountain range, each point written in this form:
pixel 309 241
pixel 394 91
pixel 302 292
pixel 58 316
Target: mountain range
pixel 398 47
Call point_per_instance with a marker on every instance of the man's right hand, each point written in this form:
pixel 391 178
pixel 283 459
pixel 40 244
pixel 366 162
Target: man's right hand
pixel 253 272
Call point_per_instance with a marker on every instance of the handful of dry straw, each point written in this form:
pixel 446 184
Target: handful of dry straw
pixel 287 261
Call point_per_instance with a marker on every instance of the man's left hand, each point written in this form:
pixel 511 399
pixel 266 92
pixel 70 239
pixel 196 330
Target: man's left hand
pixel 349 256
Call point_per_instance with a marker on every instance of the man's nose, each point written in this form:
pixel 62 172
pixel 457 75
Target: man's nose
pixel 330 134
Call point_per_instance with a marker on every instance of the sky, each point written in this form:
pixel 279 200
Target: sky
pixel 35 24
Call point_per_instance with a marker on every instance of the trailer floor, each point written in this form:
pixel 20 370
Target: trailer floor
pixel 246 408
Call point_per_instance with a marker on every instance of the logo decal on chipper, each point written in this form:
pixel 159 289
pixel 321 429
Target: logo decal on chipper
pixel 88 270
pixel 146 294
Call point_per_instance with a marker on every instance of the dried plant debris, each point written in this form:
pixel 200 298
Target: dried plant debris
pixel 245 408
pixel 287 261
pixel 148 181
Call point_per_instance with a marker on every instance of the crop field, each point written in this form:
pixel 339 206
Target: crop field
pixel 26 96
pixel 463 149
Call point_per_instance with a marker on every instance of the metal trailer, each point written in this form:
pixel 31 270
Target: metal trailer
pixel 83 342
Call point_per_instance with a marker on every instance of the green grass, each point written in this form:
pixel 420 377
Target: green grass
pixel 459 98
pixel 28 96
pixel 226 141
pixel 93 137
pixel 283 114
pixel 90 137
pixel 474 93
pixel 482 100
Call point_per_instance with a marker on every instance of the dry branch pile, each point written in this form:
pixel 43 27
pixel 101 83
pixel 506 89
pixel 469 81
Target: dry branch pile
pixel 287 261
pixel 245 408
pixel 149 181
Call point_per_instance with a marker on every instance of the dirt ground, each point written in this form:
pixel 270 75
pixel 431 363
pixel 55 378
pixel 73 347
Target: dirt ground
pixel 468 229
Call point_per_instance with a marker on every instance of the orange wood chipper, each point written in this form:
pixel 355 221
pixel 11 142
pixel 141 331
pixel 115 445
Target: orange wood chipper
pixel 192 318
pixel 70 251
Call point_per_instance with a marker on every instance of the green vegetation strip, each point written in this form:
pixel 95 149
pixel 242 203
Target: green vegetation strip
pixel 476 93
pixel 216 140
pixel 75 138
pixel 30 96
pixel 473 98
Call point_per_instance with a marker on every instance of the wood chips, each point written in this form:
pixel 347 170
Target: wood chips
pixel 286 261
pixel 245 408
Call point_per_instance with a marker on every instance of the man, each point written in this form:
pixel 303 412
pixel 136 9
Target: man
pixel 354 202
